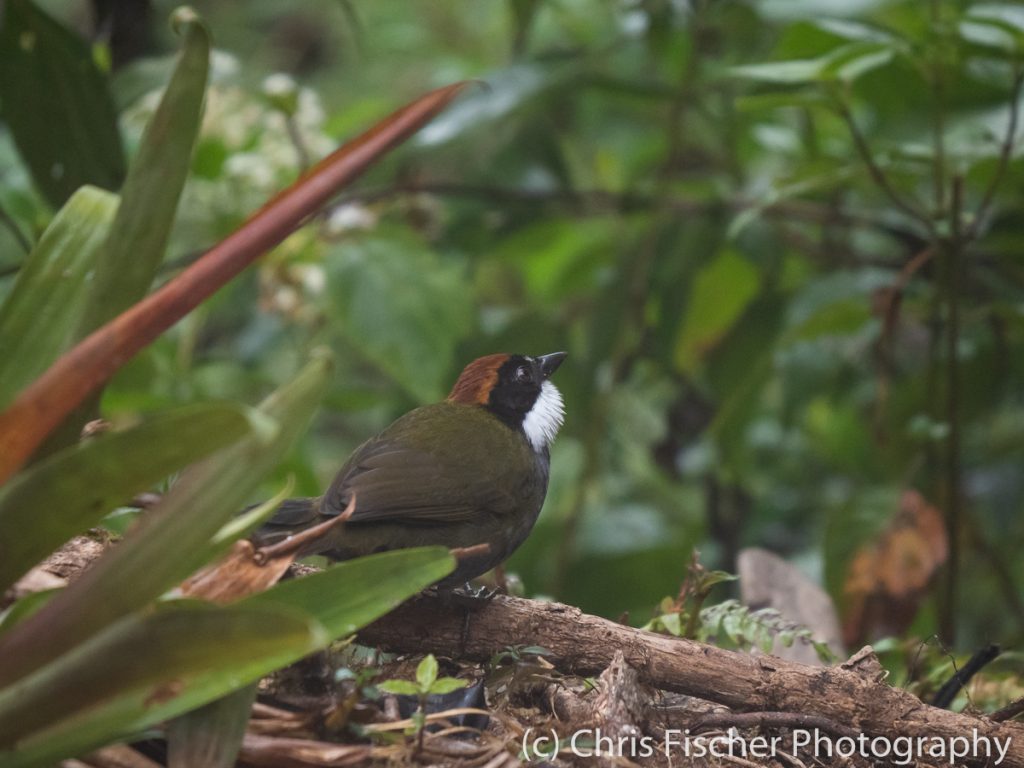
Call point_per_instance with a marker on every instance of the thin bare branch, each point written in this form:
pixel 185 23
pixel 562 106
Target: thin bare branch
pixel 878 175
pixel 1005 155
pixel 590 202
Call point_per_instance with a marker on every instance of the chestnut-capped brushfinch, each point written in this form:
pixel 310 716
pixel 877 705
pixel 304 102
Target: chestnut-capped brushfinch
pixel 470 470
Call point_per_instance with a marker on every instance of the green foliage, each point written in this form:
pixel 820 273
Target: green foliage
pixel 778 240
pixel 82 483
pixel 924 666
pixel 683 616
pixel 730 624
pixel 41 315
pixel 427 683
pixel 56 104
pixel 207 650
pixel 408 328
pixel 138 236
pixel 119 652
pixel 210 736
pixel 721 292
pixel 184 654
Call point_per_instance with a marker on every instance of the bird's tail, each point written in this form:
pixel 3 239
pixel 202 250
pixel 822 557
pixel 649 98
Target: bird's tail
pixel 291 517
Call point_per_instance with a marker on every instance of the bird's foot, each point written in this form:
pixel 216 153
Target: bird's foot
pixel 467 597
pixel 474 597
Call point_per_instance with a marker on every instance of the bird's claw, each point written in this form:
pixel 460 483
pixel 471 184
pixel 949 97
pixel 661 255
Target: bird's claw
pixel 470 598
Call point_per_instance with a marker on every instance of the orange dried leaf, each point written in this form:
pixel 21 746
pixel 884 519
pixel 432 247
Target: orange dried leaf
pixel 236 575
pixel 888 577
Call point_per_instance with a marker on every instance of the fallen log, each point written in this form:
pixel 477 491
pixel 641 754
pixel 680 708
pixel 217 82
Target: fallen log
pixel 853 694
pixel 849 698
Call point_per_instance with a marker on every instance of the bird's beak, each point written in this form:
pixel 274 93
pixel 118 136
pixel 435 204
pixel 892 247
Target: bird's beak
pixel 549 363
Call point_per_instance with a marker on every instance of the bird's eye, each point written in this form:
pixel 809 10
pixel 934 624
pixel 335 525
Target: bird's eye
pixel 523 375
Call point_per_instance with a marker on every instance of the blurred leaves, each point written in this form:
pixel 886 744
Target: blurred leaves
pixel 721 291
pixel 56 104
pixel 403 308
pixel 78 486
pixel 105 658
pixel 143 669
pixel 673 193
pixel 138 236
pixel 210 736
pixel 889 575
pixel 845 64
pixel 148 667
pixel 56 393
pixel 168 543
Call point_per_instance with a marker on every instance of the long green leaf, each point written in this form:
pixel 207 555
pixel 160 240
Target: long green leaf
pixel 721 292
pixel 142 670
pixel 50 502
pixel 155 180
pixel 738 370
pixel 25 607
pixel 138 237
pixel 210 737
pixel 39 318
pixel 350 595
pixel 57 105
pixel 169 543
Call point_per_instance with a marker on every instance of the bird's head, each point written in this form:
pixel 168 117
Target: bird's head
pixel 516 389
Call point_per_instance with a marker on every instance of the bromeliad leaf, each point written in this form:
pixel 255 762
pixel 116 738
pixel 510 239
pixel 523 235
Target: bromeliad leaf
pixel 210 737
pixel 170 541
pixel 86 367
pixel 351 594
pixel 78 486
pixel 42 311
pixel 150 195
pixel 149 667
pixel 142 670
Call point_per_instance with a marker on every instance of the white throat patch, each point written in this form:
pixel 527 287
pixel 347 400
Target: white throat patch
pixel 545 417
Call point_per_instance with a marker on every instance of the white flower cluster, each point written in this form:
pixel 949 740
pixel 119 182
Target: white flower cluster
pixel 252 144
pixel 246 150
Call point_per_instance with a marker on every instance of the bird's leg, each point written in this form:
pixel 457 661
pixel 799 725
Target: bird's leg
pixel 470 600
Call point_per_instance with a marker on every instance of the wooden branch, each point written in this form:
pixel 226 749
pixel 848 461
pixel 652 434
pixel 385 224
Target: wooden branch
pixel 853 693
pixel 841 700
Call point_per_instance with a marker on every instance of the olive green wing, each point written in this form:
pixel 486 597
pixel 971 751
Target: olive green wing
pixel 439 464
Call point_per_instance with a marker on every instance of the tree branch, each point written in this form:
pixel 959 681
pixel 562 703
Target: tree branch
pixel 1005 155
pixel 878 175
pixel 852 694
pixel 589 202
